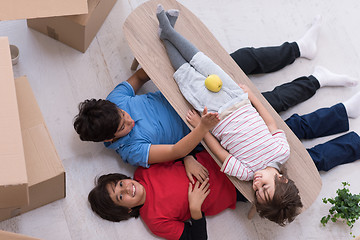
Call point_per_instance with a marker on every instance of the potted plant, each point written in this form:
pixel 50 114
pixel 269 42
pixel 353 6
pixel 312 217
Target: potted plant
pixel 345 206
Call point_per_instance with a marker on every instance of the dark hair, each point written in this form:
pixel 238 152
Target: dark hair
pixel 102 204
pixel 97 121
pixel 285 204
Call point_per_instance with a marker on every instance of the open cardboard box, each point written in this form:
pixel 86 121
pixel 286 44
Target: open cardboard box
pixel 31 172
pixel 13 176
pixel 46 175
pixel 13 236
pixel 76 31
pixel 24 9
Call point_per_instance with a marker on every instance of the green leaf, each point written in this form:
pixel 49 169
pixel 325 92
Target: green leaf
pixel 345 205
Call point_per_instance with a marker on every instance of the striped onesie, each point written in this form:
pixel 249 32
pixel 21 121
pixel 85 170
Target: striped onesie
pixel 251 146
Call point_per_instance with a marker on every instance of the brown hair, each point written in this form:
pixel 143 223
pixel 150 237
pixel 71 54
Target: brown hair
pixel 102 204
pixel 285 204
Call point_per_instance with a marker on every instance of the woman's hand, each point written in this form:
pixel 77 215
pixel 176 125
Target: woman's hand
pixel 194 168
pixel 196 197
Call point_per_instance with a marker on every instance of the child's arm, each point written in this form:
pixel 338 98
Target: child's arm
pixel 138 79
pixel 194 119
pixel 260 108
pixel 231 165
pixel 164 153
pixel 196 198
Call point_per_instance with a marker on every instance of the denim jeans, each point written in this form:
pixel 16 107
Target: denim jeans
pixel 325 122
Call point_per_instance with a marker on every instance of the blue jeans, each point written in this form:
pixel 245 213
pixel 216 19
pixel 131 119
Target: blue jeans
pixel 325 122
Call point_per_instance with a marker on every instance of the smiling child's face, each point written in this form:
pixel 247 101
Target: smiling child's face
pixel 125 126
pixel 264 183
pixel 127 193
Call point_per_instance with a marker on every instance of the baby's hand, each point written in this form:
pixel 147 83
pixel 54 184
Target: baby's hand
pixel 209 120
pixel 193 118
pixel 244 87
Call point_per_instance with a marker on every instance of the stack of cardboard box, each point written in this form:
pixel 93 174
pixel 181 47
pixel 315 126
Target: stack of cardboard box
pixel 73 22
pixel 31 172
pixel 76 31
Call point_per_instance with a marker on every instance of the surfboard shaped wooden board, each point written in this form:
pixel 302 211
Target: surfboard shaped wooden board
pixel 141 32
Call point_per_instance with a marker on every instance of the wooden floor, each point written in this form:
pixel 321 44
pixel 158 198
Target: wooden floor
pixel 61 77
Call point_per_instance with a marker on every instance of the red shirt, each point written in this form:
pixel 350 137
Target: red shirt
pixel 167 207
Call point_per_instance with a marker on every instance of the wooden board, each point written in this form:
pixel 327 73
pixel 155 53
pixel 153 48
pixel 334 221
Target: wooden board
pixel 141 28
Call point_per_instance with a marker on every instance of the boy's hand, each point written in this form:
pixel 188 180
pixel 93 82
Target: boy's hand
pixel 193 118
pixel 209 120
pixel 197 197
pixel 194 168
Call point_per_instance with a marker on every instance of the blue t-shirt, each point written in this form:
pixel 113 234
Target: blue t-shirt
pixel 156 122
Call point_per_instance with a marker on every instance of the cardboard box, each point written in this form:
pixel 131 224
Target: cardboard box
pixel 76 31
pixel 13 176
pixel 14 236
pixel 45 172
pixel 24 9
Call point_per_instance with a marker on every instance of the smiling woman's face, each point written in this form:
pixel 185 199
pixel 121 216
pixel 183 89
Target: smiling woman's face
pixel 127 193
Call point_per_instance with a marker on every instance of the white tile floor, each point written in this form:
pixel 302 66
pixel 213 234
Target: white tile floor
pixel 61 77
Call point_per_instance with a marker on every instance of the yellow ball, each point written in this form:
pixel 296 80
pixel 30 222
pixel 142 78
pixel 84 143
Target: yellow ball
pixel 213 83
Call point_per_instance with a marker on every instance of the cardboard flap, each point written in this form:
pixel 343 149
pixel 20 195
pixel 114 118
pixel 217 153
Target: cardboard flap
pixel 13 176
pixel 24 9
pixel 42 160
pixel 14 236
pixel 83 18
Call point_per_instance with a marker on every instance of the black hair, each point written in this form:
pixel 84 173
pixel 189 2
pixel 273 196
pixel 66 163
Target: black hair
pixel 97 121
pixel 103 205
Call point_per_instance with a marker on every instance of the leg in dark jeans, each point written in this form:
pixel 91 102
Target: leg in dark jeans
pixel 240 197
pixel 266 59
pixel 322 122
pixel 341 150
pixel 325 122
pixel 290 94
pixel 270 59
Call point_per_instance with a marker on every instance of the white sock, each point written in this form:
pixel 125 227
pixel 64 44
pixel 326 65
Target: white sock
pixel 329 79
pixel 352 106
pixel 307 44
